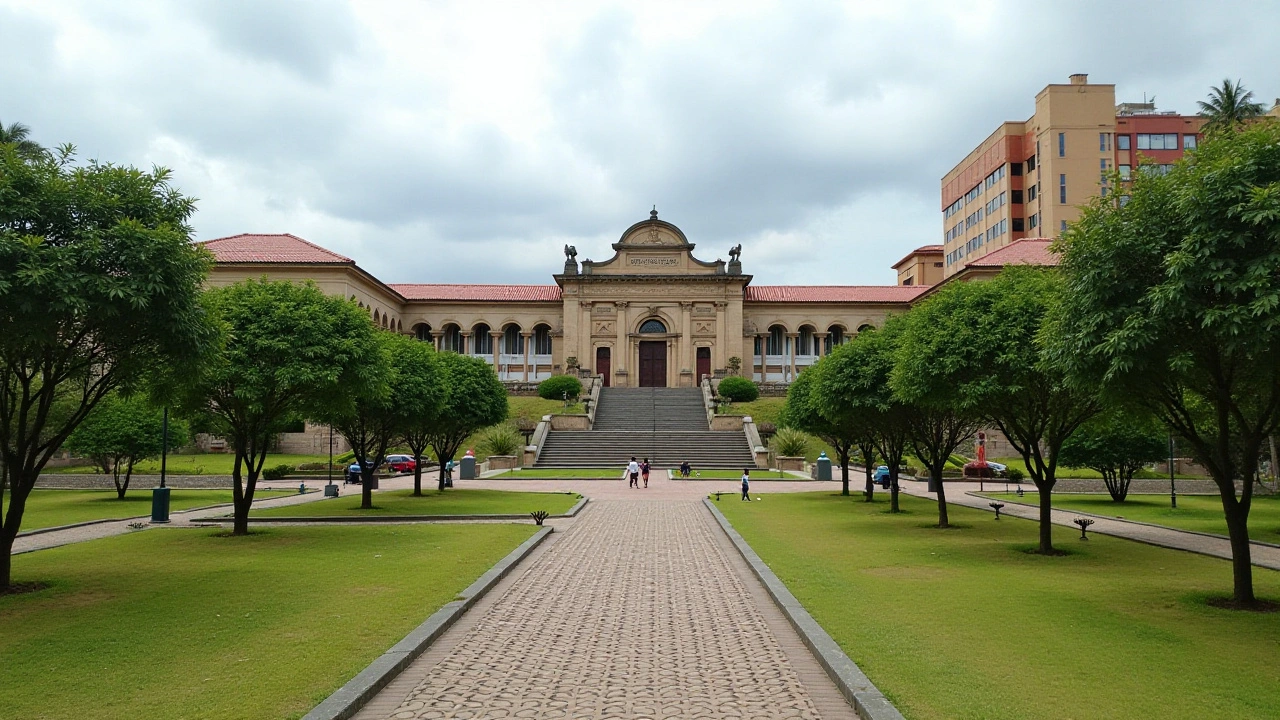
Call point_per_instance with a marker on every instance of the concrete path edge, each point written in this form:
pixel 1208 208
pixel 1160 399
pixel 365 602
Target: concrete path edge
pixel 347 700
pixel 571 512
pixel 866 698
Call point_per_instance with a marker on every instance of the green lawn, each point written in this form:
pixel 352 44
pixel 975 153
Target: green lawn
pixel 1201 513
pixel 756 474
pixel 201 464
pixel 185 624
pixel 964 624
pixel 1086 473
pixel 531 473
pixel 450 502
pixel 50 508
pixel 533 408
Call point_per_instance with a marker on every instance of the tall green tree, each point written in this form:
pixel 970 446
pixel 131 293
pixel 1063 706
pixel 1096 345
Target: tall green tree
pixel 473 398
pixel 99 282
pixel 977 347
pixel 1117 444
pixel 419 393
pixel 1228 107
pixel 19 136
pixel 121 431
pixel 853 387
pixel 802 412
pixel 288 351
pixel 1172 303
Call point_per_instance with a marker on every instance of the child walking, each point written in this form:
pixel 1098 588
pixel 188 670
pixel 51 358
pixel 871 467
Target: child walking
pixel 746 484
pixel 644 471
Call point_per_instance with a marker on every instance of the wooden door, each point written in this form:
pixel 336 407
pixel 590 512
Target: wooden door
pixel 704 363
pixel 603 366
pixel 653 363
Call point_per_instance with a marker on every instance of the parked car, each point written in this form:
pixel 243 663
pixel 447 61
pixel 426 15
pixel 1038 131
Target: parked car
pixel 353 473
pixel 999 468
pixel 401 463
pixel 881 477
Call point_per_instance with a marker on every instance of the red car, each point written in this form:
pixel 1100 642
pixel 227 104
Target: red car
pixel 401 463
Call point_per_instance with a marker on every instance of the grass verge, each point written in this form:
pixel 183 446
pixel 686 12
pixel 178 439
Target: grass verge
pixel 432 502
pixel 756 474
pixel 50 508
pixel 183 624
pixel 543 473
pixel 1200 513
pixel 964 624
pixel 199 464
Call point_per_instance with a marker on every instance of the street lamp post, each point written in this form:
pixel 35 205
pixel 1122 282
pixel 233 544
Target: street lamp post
pixel 1173 488
pixel 331 490
pixel 160 495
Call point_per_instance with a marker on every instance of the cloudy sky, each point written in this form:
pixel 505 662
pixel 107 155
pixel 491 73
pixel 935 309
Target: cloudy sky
pixel 469 141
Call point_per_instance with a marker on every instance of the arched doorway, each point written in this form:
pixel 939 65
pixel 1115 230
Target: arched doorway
pixel 653 355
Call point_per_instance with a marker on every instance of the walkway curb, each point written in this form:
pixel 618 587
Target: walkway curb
pixel 347 700
pixel 394 518
pixel 857 688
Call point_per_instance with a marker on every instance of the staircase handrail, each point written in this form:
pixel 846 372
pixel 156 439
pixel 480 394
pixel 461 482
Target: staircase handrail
pixel 708 400
pixel 593 394
pixel 540 437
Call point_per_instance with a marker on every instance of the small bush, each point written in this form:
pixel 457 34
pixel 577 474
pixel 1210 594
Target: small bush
pixel 502 440
pixel 314 466
pixel 345 459
pixel 555 387
pixel 1014 475
pixel 789 442
pixel 279 472
pixel 739 389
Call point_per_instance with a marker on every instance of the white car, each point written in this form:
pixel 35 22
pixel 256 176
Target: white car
pixel 998 467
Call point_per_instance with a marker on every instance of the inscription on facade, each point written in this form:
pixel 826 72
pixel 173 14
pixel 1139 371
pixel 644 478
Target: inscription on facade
pixel 654 261
pixel 704 327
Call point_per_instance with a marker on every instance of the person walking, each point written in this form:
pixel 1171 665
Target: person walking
pixel 644 471
pixel 633 473
pixel 746 484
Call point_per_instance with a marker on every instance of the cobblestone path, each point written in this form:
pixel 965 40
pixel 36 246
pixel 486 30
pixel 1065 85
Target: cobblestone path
pixel 636 611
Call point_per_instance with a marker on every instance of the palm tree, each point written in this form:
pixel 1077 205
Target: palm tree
pixel 18 134
pixel 1229 106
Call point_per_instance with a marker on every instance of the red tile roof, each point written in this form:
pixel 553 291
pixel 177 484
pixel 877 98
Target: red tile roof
pixel 498 293
pixel 834 293
pixel 282 248
pixel 1028 251
pixel 922 250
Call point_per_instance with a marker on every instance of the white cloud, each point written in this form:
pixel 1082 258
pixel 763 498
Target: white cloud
pixel 469 141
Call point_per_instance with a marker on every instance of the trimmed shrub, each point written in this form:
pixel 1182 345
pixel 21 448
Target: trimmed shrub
pixel 279 472
pixel 502 440
pixel 1014 475
pixel 789 442
pixel 739 389
pixel 555 387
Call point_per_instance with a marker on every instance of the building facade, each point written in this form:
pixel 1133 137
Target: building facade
pixel 653 315
pixel 1031 178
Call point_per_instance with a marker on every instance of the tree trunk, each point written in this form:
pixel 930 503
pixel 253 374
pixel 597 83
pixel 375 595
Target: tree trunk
pixel 868 461
pixel 1275 463
pixel 443 460
pixel 128 475
pixel 844 472
pixel 241 500
pixel 417 478
pixel 893 489
pixel 1046 519
pixel 8 532
pixel 366 486
pixel 936 474
pixel 1237 514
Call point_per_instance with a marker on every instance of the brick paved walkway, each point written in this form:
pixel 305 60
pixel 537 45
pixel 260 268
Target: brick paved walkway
pixel 638 609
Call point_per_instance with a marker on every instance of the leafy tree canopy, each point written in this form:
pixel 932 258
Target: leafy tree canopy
pixel 99 282
pixel 473 398
pixel 1229 106
pixel 1117 444
pixel 123 430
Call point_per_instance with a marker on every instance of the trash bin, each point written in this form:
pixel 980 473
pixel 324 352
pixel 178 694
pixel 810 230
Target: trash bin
pixel 373 483
pixel 468 468
pixel 160 505
pixel 331 490
pixel 824 466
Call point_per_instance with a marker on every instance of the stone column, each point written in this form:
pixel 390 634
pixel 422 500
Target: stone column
pixel 466 342
pixel 686 337
pixel 764 356
pixel 497 348
pixel 795 339
pixel 622 353
pixel 720 355
pixel 528 340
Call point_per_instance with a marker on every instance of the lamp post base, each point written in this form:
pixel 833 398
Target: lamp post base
pixel 160 505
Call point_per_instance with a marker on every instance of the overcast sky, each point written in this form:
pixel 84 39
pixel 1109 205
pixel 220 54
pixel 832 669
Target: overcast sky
pixel 469 141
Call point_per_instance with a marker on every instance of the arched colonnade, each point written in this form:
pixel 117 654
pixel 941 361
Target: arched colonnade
pixel 780 352
pixel 517 353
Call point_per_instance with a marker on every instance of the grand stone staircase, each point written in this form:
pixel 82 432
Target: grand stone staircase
pixel 666 425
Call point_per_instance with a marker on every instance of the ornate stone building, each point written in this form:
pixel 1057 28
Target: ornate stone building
pixel 653 315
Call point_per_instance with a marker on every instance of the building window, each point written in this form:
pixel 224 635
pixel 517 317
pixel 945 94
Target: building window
pixel 481 340
pixel 512 340
pixel 1122 142
pixel 1033 221
pixel 1188 142
pixel 1125 171
pixel 1062 189
pixel 1124 200
pixel 542 340
pixel 1015 169
pixel 1064 226
pixel 1104 142
pixel 652 326
pixel 1031 193
pixel 776 343
pixel 1018 225
pixel 1015 197
pixel 1062 144
pixel 1031 163
pixel 422 332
